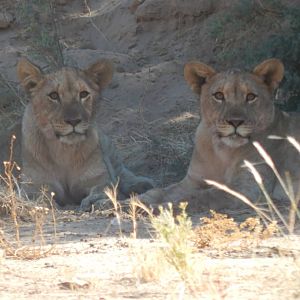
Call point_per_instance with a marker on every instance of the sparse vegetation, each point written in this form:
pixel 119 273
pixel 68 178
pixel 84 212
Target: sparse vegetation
pixel 176 233
pixel 219 230
pixel 13 204
pixel 273 213
pixel 38 19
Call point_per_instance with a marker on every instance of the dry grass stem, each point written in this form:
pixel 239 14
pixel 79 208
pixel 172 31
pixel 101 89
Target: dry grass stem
pixel 293 141
pixel 176 233
pixel 133 216
pixel 112 194
pixel 53 214
pixel 243 198
pixel 259 181
pixel 12 204
pixel 141 206
pixel 287 187
pixel 9 167
pixel 270 162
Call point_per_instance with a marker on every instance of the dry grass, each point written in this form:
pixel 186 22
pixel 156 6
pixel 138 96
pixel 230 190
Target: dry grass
pixel 179 241
pixel 13 205
pixel 176 233
pixel 112 194
pixel 273 214
pixel 177 256
pixel 219 230
pixel 149 266
pixel 174 253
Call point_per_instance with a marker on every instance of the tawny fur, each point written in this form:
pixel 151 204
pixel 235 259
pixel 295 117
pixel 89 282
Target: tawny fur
pixel 62 146
pixel 246 100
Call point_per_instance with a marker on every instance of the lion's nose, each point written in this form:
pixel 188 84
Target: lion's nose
pixel 236 122
pixel 73 122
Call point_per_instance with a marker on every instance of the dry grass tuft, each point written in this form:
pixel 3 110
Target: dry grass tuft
pixel 13 205
pixel 176 233
pixel 219 230
pixel 112 194
pixel 150 266
pixel 23 252
pixel 11 201
pixel 173 255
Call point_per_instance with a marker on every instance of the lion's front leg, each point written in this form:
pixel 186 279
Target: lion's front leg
pixel 174 193
pixel 243 183
pixel 96 198
pixel 198 199
pixel 132 184
pixel 213 199
pixel 201 197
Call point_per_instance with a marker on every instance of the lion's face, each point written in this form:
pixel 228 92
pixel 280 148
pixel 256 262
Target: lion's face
pixel 64 102
pixel 236 105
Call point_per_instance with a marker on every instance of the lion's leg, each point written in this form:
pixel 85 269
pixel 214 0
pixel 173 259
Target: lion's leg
pixel 132 184
pixel 96 195
pixel 244 184
pixel 202 197
pixel 174 193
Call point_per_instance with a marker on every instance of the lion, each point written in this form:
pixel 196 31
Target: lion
pixel 236 109
pixel 62 146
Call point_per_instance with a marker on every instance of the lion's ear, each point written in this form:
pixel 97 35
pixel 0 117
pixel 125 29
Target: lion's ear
pixel 271 71
pixel 196 74
pixel 101 72
pixel 28 74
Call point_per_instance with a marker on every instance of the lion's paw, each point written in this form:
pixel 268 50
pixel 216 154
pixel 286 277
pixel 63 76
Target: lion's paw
pixel 141 185
pixel 92 200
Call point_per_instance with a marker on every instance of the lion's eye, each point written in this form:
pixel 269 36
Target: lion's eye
pixel 83 94
pixel 251 97
pixel 219 96
pixel 54 96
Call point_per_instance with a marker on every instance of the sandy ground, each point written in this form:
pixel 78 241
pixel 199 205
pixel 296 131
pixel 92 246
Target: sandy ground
pixel 91 259
pixel 151 115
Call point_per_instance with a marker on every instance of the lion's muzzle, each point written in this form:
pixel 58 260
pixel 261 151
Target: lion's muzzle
pixel 71 131
pixel 234 132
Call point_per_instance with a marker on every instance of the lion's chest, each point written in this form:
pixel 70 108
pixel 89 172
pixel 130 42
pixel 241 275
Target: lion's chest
pixel 77 174
pixel 70 172
pixel 210 161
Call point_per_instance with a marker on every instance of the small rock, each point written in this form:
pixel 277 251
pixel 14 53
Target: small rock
pixel 76 284
pixel 5 20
